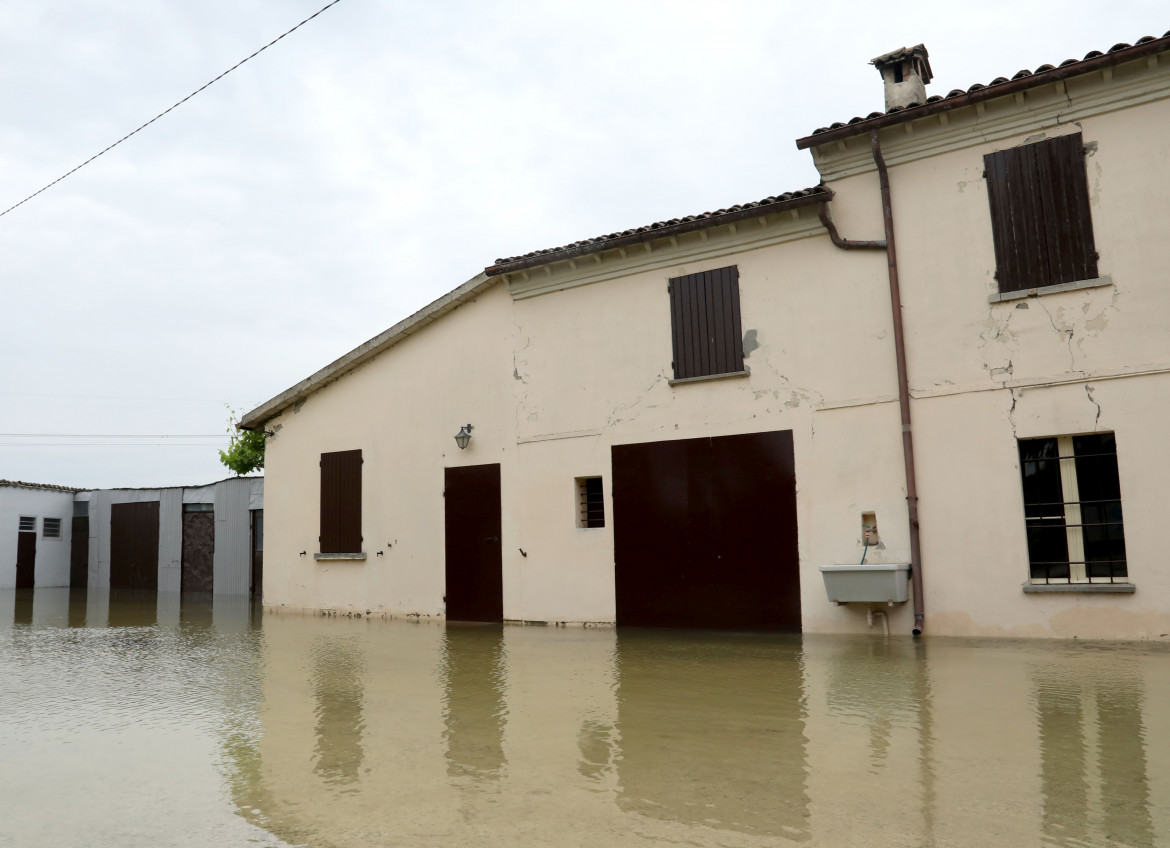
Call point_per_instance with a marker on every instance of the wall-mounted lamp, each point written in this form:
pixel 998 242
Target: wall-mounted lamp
pixel 463 436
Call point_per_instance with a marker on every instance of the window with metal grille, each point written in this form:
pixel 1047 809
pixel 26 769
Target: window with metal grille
pixel 341 502
pixel 51 528
pixel 1072 509
pixel 590 502
pixel 1040 219
pixel 28 524
pixel 704 317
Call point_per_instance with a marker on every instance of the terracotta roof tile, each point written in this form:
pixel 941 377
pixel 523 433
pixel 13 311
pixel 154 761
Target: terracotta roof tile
pixel 658 228
pixel 1035 75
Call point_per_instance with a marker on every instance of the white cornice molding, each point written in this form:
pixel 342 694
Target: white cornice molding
pixel 1057 105
pixel 717 241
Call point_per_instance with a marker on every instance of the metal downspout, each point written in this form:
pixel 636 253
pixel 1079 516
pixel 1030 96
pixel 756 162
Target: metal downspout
pixel 903 386
pixel 900 352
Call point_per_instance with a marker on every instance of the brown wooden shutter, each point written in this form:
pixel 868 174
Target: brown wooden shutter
pixel 704 314
pixel 341 502
pixel 1040 218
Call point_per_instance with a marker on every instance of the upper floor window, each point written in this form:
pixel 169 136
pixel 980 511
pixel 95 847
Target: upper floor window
pixel 1040 221
pixel 704 319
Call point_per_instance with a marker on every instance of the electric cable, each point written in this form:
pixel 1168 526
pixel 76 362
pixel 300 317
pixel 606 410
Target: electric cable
pixel 170 109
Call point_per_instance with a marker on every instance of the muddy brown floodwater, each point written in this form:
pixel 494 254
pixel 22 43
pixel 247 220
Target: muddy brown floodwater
pixel 136 721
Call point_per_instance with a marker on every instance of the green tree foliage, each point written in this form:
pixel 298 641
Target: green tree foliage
pixel 245 453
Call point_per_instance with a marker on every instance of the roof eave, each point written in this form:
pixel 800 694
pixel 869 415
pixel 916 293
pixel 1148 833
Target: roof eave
pixel 705 223
pixel 991 92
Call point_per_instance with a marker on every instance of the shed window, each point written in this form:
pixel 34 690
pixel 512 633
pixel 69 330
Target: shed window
pixel 28 524
pixel 341 502
pixel 1040 220
pixel 704 316
pixel 51 528
pixel 590 502
pixel 1072 509
pixel 198 507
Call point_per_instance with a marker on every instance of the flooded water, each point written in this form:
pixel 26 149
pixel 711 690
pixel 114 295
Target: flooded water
pixel 143 722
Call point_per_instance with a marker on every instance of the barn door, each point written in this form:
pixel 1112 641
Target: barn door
pixel 474 563
pixel 134 546
pixel 705 533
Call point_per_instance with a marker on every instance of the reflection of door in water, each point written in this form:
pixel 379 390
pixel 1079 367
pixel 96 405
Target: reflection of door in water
pixel 691 705
pixel 134 545
pixel 705 533
pixel 198 547
pixel 26 559
pixel 473 560
pixel 473 700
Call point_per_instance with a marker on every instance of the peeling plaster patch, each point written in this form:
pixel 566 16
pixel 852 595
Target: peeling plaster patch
pixel 796 399
pixel 532 416
pixel 1093 400
pixel 1023 304
pixel 1011 416
pixel 962 186
pixel 1034 138
pixel 1090 149
pixel 749 343
pixel 297 406
pixel 997 373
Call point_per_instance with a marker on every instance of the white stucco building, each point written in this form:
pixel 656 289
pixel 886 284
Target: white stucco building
pixel 35 534
pixel 682 424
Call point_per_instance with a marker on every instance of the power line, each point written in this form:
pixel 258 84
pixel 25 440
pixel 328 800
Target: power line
pixel 172 108
pixel 113 435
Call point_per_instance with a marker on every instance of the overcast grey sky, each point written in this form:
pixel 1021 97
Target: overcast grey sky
pixel 377 158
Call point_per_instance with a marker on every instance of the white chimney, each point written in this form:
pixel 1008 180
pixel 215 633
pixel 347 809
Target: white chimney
pixel 906 72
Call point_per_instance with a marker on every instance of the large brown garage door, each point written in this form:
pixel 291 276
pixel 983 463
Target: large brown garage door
pixel 705 533
pixel 134 545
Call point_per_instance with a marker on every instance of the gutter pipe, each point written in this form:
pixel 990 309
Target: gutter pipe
pixel 900 352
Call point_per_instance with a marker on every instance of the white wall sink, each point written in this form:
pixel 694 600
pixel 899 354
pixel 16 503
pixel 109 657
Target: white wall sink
pixel 877 583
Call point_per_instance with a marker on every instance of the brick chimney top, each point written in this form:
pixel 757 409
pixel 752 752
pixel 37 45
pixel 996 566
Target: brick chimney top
pixel 906 71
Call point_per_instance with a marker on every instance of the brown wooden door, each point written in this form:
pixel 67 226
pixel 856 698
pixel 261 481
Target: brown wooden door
pixel 705 533
pixel 134 546
pixel 198 552
pixel 474 563
pixel 26 559
pixel 258 554
pixel 79 553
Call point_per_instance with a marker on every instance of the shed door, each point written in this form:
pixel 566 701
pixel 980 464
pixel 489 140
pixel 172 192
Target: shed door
pixel 475 586
pixel 134 546
pixel 198 549
pixel 705 533
pixel 26 559
pixel 79 553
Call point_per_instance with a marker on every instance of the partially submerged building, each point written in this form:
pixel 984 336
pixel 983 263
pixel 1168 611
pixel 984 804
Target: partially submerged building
pixel 191 539
pixel 947 361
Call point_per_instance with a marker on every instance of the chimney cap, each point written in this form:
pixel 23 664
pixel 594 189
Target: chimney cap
pixel 902 54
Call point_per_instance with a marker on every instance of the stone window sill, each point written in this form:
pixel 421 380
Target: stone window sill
pixel 320 557
pixel 1096 282
pixel 706 377
pixel 1082 588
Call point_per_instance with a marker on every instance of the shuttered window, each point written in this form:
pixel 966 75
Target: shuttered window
pixel 704 315
pixel 341 502
pixel 1040 220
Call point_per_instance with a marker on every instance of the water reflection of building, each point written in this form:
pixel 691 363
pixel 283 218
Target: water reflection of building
pixel 711 731
pixel 532 734
pixel 473 700
pixel 338 669
pixel 1092 754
